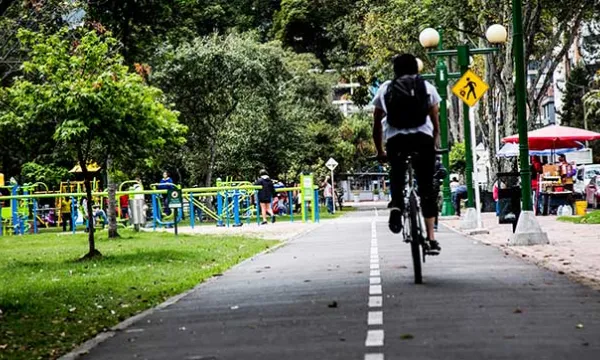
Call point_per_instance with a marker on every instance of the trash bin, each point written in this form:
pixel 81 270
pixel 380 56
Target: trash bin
pixel 137 215
pixel 509 198
pixel 488 205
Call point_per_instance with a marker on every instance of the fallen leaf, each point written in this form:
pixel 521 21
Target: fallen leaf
pixel 407 336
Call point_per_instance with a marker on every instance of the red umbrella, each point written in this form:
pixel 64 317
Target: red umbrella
pixel 555 137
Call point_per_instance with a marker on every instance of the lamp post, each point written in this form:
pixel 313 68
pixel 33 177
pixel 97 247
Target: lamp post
pixel 441 78
pixel 521 95
pixel 429 39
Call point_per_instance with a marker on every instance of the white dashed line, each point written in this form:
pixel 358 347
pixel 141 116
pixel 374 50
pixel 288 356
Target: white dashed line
pixel 374 338
pixel 375 318
pixel 373 356
pixel 375 301
pixel 375 290
pixel 375 281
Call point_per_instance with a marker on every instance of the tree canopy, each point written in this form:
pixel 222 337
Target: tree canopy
pixel 77 90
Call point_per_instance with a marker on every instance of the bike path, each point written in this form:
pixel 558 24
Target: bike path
pixel 318 297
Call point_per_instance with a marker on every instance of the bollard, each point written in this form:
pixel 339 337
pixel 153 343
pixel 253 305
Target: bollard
pixel 192 211
pixel 35 209
pixel 236 208
pixel 154 214
pixel 291 206
pixel 257 207
pixel 220 209
pixel 73 213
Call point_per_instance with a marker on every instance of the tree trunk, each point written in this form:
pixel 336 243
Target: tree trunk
pixel 211 164
pixel 93 253
pixel 112 202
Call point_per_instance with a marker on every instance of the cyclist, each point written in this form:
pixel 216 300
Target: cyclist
pixel 415 130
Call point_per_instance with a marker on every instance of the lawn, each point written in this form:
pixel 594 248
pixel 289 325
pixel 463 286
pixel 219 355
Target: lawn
pixel 589 218
pixel 50 302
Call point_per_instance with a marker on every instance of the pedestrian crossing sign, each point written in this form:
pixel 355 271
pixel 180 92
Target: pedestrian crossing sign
pixel 470 88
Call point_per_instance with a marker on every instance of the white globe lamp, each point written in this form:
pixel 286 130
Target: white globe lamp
pixel 429 38
pixel 496 34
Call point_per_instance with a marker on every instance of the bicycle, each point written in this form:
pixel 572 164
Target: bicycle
pixel 413 222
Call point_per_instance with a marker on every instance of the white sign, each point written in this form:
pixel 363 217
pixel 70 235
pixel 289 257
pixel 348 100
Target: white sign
pixel 331 164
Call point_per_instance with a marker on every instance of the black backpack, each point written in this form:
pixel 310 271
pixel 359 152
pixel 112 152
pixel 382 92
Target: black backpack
pixel 407 102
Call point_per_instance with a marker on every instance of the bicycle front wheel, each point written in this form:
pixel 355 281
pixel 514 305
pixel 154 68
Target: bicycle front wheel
pixel 415 234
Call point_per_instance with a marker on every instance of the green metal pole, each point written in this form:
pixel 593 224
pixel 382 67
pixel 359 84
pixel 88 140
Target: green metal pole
pixel 442 85
pixel 521 94
pixel 463 62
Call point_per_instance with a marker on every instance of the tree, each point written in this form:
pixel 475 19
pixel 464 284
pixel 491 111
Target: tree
pixel 577 85
pixel 457 158
pixel 79 87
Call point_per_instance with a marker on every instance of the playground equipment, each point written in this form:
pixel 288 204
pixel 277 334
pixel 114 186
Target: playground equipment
pixel 234 203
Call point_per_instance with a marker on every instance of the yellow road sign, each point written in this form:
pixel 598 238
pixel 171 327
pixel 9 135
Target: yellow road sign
pixel 470 88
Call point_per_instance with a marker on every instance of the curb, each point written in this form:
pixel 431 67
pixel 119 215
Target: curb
pixel 90 344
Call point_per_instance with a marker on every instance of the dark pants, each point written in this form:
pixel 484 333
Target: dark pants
pixel 422 149
pixel 65 218
pixel 329 204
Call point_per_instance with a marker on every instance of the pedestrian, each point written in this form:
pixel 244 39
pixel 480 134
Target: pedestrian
pixel 65 214
pixel 265 195
pixel 406 118
pixel 440 175
pixel 495 193
pixel 459 194
pixel 124 204
pixel 166 183
pixel 454 184
pixel 328 194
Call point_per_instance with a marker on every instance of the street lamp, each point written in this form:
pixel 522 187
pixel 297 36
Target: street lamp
pixel 430 38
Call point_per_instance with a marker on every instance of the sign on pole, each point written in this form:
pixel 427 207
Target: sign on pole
pixel 470 88
pixel 331 165
pixel 175 200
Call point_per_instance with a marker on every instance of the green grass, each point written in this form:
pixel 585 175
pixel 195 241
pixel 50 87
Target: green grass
pixel 590 218
pixel 51 302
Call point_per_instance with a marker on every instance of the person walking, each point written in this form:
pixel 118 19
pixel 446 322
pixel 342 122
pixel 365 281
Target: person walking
pixel 265 195
pixel 166 183
pixel 459 195
pixel 406 118
pixel 440 175
pixel 328 194
pixel 65 214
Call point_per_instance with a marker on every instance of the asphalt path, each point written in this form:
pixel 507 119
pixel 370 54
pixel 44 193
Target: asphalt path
pixel 345 291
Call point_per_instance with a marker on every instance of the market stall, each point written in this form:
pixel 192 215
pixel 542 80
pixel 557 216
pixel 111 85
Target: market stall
pixel 554 193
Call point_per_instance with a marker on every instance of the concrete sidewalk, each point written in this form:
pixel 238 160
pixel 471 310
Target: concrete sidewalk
pixel 574 249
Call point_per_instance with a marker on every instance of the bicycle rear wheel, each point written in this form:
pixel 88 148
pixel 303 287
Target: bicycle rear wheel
pixel 415 234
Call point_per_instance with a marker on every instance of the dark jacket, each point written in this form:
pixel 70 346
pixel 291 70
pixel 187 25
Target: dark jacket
pixel 439 174
pixel 268 189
